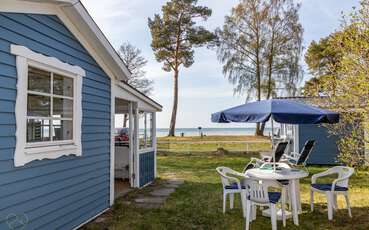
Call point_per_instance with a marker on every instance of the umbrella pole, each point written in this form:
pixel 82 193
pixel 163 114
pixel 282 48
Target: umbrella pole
pixel 273 144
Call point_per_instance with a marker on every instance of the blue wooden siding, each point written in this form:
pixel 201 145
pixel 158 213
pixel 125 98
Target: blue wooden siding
pixel 325 150
pixel 147 168
pixel 60 193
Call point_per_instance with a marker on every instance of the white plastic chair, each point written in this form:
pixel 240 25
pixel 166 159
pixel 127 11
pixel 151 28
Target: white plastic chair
pixel 258 194
pixel 231 186
pixel 338 186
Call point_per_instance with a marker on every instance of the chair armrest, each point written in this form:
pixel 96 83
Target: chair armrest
pixel 288 157
pixel 322 174
pixel 236 180
pixel 338 180
pixel 294 155
pixel 255 159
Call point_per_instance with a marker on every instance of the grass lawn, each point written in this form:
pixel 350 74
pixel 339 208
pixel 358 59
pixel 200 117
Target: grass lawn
pixel 198 203
pixel 212 143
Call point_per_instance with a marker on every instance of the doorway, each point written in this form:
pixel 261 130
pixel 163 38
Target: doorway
pixel 123 149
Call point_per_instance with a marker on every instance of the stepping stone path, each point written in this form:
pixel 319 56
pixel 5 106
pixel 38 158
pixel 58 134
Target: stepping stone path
pixel 159 194
pixel 155 199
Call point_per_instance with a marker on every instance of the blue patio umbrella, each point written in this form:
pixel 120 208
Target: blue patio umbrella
pixel 280 110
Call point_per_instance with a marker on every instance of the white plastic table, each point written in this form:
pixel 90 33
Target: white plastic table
pixel 292 175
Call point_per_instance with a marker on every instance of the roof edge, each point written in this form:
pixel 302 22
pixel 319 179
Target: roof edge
pixel 139 94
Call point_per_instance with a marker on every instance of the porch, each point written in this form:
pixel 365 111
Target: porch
pixel 133 140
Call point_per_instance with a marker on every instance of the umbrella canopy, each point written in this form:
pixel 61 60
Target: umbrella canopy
pixel 281 110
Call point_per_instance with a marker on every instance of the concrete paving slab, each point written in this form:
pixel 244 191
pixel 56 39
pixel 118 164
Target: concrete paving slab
pixel 162 192
pixel 151 200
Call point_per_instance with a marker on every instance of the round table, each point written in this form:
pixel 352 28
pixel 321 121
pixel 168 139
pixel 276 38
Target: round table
pixel 290 174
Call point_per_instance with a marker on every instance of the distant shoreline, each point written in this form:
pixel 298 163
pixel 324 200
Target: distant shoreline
pixel 162 132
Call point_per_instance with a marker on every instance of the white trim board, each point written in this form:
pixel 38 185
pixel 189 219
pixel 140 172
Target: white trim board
pixel 112 145
pixel 49 61
pixel 127 93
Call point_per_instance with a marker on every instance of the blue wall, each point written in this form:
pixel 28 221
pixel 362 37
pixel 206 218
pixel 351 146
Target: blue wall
pixel 147 168
pixel 60 193
pixel 325 150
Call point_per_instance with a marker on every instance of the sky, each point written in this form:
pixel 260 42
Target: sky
pixel 202 87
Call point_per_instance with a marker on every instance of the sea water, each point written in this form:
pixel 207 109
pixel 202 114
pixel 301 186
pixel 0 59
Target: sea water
pixel 161 132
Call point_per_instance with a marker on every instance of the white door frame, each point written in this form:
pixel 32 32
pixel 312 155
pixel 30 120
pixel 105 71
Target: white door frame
pixel 133 146
pixel 112 145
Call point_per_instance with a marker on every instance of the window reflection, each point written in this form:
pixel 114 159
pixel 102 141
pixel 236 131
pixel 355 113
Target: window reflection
pixel 38 130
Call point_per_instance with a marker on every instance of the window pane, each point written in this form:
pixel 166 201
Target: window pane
pixel 141 130
pixel 38 80
pixel 62 130
pixel 62 107
pixel 149 130
pixel 63 85
pixel 38 130
pixel 145 130
pixel 38 105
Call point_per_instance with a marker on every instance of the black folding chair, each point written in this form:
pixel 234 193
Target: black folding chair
pixel 304 155
pixel 256 162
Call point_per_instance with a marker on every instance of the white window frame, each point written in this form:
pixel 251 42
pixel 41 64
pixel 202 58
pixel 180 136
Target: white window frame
pixel 27 152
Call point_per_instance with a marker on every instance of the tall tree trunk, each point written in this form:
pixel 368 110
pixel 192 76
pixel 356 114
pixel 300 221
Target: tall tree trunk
pixel 262 128
pixel 258 85
pixel 270 71
pixel 172 127
pixel 125 119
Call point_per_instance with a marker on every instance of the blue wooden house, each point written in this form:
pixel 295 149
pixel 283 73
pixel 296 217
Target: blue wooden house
pixel 325 151
pixel 61 86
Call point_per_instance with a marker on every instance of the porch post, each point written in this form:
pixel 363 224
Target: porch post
pixel 154 141
pixel 136 147
pixel 131 145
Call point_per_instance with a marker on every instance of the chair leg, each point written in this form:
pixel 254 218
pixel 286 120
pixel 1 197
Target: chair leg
pixel 243 203
pixel 298 196
pixel 273 216
pixel 289 197
pixel 231 200
pixel 330 205
pixel 311 200
pixel 335 206
pixel 248 214
pixel 224 201
pixel 348 204
pixel 254 210
pixel 284 206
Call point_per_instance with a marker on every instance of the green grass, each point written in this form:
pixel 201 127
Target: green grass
pixel 198 203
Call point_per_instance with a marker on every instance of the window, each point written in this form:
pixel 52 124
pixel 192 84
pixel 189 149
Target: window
pixel 145 130
pixel 48 107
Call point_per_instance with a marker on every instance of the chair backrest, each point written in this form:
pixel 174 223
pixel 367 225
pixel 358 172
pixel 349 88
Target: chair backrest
pixel 226 179
pixel 250 165
pixel 344 172
pixel 279 150
pixel 257 191
pixel 308 147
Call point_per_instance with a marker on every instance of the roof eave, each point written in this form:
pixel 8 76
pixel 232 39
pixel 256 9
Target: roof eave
pixel 86 25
